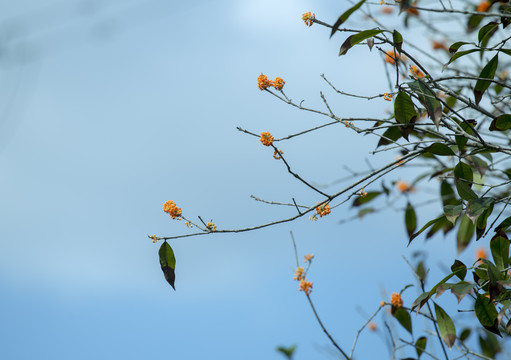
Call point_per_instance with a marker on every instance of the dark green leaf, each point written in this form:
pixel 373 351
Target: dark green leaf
pixel 473 22
pixel 445 326
pixel 501 123
pixel 488 72
pixel 357 38
pixel 461 289
pixel 459 269
pixel 420 345
pixel 420 301
pixel 464 190
pixel 499 247
pixel 288 352
pixel 404 112
pixel 440 150
pixel 464 334
pixel 458 55
pixel 504 225
pixel 461 141
pixel 390 135
pixel 447 194
pixel 454 47
pixel 486 314
pixel 410 219
pixel 365 199
pixel 345 16
pixel 398 40
pixel 168 263
pixel 427 98
pixel 486 32
pixel 428 224
pixel 465 233
pixel 481 222
pixel 463 172
pixel 403 317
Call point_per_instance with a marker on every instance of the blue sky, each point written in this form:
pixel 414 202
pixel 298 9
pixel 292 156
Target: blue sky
pixel 109 110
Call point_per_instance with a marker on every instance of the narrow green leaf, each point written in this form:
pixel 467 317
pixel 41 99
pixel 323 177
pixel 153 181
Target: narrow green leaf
pixel 504 225
pixel 454 47
pixel 461 289
pixel 464 190
pixel 398 40
pixel 465 233
pixel 410 219
pixel 465 333
pixel 447 194
pixel 428 224
pixel 486 314
pixel 345 16
pixel 445 326
pixel 458 55
pixel 391 134
pixel 440 150
pixel 481 222
pixel 420 345
pixel 168 263
pixel 501 123
pixel 486 32
pixel 420 301
pixel 357 38
pixel 461 141
pixel 499 246
pixel 403 317
pixel 473 22
pixel 361 200
pixel 404 112
pixel 488 72
pixel 288 352
pixel 427 98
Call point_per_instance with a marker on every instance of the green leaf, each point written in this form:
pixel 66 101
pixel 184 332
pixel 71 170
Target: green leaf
pixel 452 212
pixel 463 172
pixel 447 194
pixel 427 97
pixel 391 134
pixel 357 38
pixel 504 225
pixel 454 47
pixel 486 314
pixel 365 199
pixel 404 112
pixel 398 40
pixel 420 301
pixel 461 141
pixel 465 333
pixel 477 207
pixel 481 222
pixel 458 55
pixel 440 149
pixel 459 269
pixel 345 16
pixel 501 123
pixel 445 326
pixel 465 233
pixel 473 22
pixel 428 224
pixel 486 32
pixel 499 247
pixel 403 317
pixel 488 72
pixel 461 289
pixel 420 345
pixel 168 263
pixel 410 219
pixel 288 352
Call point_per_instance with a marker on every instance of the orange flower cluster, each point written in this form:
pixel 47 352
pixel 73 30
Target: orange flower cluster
pixel 305 286
pixel 416 72
pixel 276 154
pixel 391 57
pixel 403 186
pixel 387 10
pixel 278 83
pixel 382 303
pixel 308 257
pixel 347 124
pixel 308 18
pixel 154 238
pixel 483 6
pixel 323 210
pixel 362 193
pixel 387 97
pixel 189 224
pixel 372 326
pixel 264 83
pixel 171 208
pixel 211 226
pixel 299 274
pixel 266 138
pixel 481 253
pixel 395 300
pixel 437 45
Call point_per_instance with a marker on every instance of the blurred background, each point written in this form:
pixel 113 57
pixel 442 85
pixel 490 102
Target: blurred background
pixel 109 109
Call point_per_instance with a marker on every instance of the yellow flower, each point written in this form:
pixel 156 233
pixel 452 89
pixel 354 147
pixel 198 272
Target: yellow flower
pixel 305 286
pixel 416 72
pixel 263 82
pixel 387 97
pixel 403 186
pixel 308 18
pixel 154 238
pixel 266 138
pixel 211 226
pixel 382 303
pixel 323 210
pixel 171 208
pixel 308 257
pixel 299 274
pixel 395 300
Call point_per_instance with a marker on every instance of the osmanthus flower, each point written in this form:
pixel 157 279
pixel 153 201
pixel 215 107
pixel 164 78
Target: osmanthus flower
pixel 391 57
pixel 263 82
pixel 276 154
pixel 395 300
pixel 154 238
pixel 171 208
pixel 308 257
pixel 416 72
pixel 308 18
pixel 387 97
pixel 305 286
pixel 278 83
pixel 372 326
pixel 299 274
pixel 323 210
pixel 483 6
pixel 403 186
pixel 211 226
pixel 437 45
pixel 481 253
pixel 387 10
pixel 266 138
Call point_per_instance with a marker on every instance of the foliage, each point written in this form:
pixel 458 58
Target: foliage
pixel 450 117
